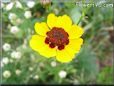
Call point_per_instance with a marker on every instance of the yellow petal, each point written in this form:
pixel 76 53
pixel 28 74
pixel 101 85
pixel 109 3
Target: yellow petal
pixel 68 54
pixel 37 43
pixel 51 20
pixel 74 45
pixel 64 55
pixel 47 51
pixel 41 28
pixel 64 22
pixel 75 32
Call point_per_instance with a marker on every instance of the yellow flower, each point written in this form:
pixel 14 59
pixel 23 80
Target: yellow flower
pixel 57 38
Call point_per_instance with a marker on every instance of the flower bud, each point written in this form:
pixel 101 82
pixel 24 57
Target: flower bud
pixel 45 2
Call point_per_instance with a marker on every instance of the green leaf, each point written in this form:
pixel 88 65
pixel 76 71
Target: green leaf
pixel 87 64
pixel 75 15
pixel 106 75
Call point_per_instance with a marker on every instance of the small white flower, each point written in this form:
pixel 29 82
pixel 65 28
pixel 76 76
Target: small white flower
pixel 30 68
pixel 27 14
pixel 6 47
pixel 18 21
pixel 13 54
pixel 14 30
pixel 18 4
pixel 6 74
pixel 5 60
pixel 62 74
pixel 16 55
pixel 36 77
pixel 53 64
pixel 30 4
pixel 12 16
pixel 9 6
pixel 18 72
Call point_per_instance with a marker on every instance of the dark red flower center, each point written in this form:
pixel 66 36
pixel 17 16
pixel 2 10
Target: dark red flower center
pixel 57 37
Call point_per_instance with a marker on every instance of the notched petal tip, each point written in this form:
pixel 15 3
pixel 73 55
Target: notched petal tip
pixel 41 28
pixel 51 14
pixel 64 61
pixel 51 19
pixel 67 18
pixel 64 56
pixel 76 32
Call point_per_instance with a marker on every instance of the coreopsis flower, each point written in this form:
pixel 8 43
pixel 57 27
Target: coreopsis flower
pixel 57 38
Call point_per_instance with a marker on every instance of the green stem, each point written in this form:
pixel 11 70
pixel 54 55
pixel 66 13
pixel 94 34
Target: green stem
pixel 83 14
pixel 85 10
